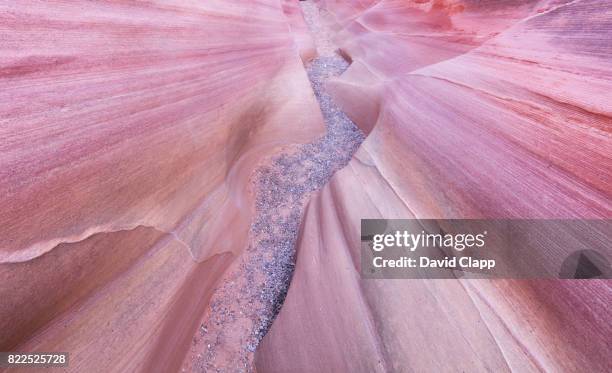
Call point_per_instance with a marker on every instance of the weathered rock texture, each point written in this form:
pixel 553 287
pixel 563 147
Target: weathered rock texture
pixel 247 300
pixel 474 109
pixel 129 131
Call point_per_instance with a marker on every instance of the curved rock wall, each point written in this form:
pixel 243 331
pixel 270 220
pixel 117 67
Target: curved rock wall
pixel 128 135
pixel 299 28
pixel 524 114
pixel 475 109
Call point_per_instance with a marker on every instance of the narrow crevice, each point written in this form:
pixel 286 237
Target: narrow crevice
pixel 249 298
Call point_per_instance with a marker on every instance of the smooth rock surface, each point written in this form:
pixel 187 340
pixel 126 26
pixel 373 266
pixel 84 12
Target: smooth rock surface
pixel 474 109
pixel 129 132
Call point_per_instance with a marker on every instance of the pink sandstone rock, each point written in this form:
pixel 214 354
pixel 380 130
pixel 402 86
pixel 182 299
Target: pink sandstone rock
pixel 129 132
pixel 128 135
pixel 474 110
pixel 299 29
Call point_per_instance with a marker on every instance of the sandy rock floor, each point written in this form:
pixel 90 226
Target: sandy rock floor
pixel 249 297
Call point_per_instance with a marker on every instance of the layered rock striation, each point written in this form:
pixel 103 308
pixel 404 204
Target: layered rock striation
pixel 474 109
pixel 129 133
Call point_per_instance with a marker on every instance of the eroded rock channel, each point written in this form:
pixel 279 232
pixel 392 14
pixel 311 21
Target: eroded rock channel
pixel 247 300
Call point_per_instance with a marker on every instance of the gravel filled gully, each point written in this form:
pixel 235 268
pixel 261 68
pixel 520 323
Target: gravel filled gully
pixel 247 300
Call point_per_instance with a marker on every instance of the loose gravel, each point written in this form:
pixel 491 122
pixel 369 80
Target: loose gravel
pixel 249 298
